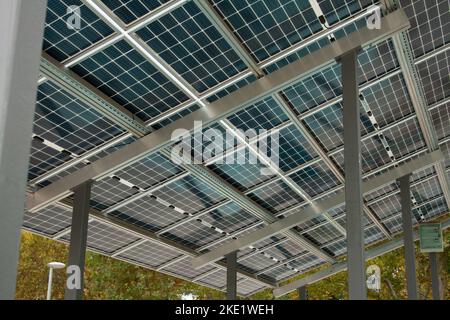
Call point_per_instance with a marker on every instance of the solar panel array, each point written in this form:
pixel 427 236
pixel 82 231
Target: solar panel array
pixel 173 214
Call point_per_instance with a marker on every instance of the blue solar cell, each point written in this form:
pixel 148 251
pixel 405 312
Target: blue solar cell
pixel 430 24
pixel 43 159
pixel 293 150
pixel 193 47
pixel 67 122
pixel 130 10
pixel 276 197
pixel 127 77
pixel 266 27
pixel 62 42
pixel 337 10
pixel 315 179
pixel 264 114
pixel 229 218
pixel 231 88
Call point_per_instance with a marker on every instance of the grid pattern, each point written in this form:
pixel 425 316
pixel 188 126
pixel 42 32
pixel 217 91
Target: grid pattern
pixel 327 126
pixel 69 123
pixel 229 218
pixel 294 150
pixel 184 268
pixel 62 42
pixel 430 24
pixel 43 159
pixel 193 47
pixel 104 238
pixel 266 27
pixel 187 41
pixel 264 114
pixel 108 192
pixel 441 120
pixel 128 78
pixel 315 89
pixel 130 10
pixel 149 171
pixel 335 11
pixel 49 220
pixel 189 194
pixel 315 179
pixel 388 100
pixel 150 254
pixel 276 197
pixel 434 76
pixel 148 213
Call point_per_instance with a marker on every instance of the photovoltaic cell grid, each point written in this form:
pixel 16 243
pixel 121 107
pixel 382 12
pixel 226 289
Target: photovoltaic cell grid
pixel 105 238
pixel 150 254
pixel 62 42
pixel 193 47
pixel 68 123
pixel 434 76
pixel 441 120
pixel 149 171
pixel 125 75
pixel 131 10
pixel 276 196
pixel 48 221
pixel 430 24
pixel 374 62
pixel 335 11
pixel 266 27
pixel 327 126
pixel 229 218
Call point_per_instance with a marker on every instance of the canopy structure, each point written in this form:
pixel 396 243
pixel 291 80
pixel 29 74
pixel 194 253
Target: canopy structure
pixel 113 89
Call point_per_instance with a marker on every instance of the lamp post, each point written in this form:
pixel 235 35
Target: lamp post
pixel 52 265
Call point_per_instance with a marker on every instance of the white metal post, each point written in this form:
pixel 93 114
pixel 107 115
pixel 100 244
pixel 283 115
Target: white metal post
pixel 21 30
pixel 49 286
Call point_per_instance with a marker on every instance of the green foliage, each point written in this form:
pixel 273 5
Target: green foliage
pixel 107 278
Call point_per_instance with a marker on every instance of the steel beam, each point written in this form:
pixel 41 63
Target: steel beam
pixel 312 211
pixel 78 239
pixel 356 276
pixel 408 239
pixel 231 259
pixel 435 281
pixel 247 95
pixel 21 33
pixel 302 293
pixel 342 266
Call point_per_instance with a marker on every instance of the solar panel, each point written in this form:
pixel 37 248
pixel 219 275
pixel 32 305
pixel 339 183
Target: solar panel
pixel 131 10
pixel 164 199
pixel 126 76
pixel 193 47
pixel 62 42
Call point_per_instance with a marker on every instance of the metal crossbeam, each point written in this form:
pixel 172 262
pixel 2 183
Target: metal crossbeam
pixel 342 266
pixel 247 95
pixel 152 237
pixel 310 212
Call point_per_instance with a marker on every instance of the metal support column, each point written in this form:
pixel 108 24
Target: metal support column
pixel 302 293
pixel 353 181
pixel 21 30
pixel 408 238
pixel 78 238
pixel 435 283
pixel 231 275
